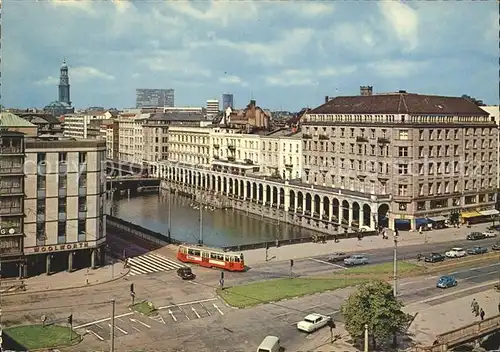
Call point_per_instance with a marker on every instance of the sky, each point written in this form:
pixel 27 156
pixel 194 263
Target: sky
pixel 284 54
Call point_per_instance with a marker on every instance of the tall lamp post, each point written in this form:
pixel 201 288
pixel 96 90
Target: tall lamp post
pixel 395 260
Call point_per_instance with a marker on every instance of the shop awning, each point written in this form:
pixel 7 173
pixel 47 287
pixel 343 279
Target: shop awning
pixel 437 218
pixel 470 214
pixel 489 212
pixel 401 221
pixel 421 221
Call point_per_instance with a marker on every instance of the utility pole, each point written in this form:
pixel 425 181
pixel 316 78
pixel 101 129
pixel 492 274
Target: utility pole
pixel 112 332
pixel 395 278
pixel 201 221
pixel 366 337
pixel 169 212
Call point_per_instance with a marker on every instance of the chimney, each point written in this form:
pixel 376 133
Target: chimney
pixel 327 99
pixel 366 90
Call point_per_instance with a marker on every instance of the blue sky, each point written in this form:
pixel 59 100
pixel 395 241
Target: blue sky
pixel 283 54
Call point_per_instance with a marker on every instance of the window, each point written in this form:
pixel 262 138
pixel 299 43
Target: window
pixel 82 158
pixel 421 189
pixel 403 190
pixel 421 135
pixel 61 232
pixel 403 151
pixel 40 233
pixel 421 152
pixel 403 169
pixel 82 230
pixel 61 205
pixel 403 135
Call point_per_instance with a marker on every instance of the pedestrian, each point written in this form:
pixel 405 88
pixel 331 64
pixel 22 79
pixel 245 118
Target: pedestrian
pixel 476 309
pixel 473 303
pixel 482 314
pixel 277 243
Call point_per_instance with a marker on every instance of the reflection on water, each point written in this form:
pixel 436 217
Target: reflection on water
pixel 220 227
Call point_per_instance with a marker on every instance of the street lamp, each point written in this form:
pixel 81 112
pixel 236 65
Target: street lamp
pixel 395 259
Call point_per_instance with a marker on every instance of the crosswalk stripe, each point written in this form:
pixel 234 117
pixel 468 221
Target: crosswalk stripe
pixel 151 262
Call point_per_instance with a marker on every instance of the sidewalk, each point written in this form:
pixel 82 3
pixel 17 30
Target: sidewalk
pixel 434 320
pixel 65 280
pixel 304 250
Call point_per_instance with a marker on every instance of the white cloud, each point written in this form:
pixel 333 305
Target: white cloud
pixel 78 75
pixel 232 79
pixel 175 62
pixel 218 12
pixel 76 5
pixel 307 77
pixel 274 52
pixel 354 36
pixel 403 20
pixel 307 8
pixel 397 68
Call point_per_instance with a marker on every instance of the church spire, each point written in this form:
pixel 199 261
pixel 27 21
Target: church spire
pixel 64 96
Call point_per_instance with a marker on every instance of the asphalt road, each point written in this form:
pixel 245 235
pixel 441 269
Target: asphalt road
pixel 317 264
pixel 203 327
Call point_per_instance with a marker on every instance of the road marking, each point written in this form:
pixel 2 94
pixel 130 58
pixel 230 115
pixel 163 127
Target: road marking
pixel 140 322
pixel 133 327
pixel 192 282
pixel 187 303
pixel 172 315
pixel 454 292
pixel 195 312
pixel 95 334
pixel 206 309
pixel 101 321
pixel 120 320
pixel 182 310
pixel 325 262
pixel 99 326
pixel 307 309
pixel 215 306
pixel 119 329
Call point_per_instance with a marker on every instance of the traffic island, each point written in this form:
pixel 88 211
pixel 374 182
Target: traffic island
pixel 35 337
pixel 145 308
pixel 404 268
pixel 279 289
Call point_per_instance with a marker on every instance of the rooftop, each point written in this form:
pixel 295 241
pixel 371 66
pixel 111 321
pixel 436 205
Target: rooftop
pixel 177 116
pixel 400 103
pixel 8 119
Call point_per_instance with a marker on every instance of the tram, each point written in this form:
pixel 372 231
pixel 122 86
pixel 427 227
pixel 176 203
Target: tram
pixel 211 257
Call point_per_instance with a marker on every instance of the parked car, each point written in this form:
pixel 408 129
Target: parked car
pixel 477 250
pixel 474 236
pixel 446 281
pixel 313 322
pixel 456 252
pixel 356 259
pixel 490 234
pixel 496 247
pixel 434 257
pixel 337 257
pixel 494 227
pixel 185 273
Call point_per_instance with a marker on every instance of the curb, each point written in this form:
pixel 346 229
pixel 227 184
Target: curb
pixel 121 276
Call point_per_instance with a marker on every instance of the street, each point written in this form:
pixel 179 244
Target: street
pixel 201 326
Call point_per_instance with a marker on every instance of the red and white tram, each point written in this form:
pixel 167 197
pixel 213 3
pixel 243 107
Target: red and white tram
pixel 211 257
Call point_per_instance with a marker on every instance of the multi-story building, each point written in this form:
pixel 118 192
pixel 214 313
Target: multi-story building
pixel 249 119
pixel 227 101
pixel 64 224
pixel 86 125
pixel 46 123
pixel 212 108
pixel 130 148
pixel 150 98
pixel 111 131
pixel 189 143
pixel 12 155
pixel 281 154
pixel 423 158
pixel 13 123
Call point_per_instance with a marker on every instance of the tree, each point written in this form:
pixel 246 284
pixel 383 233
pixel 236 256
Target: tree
pixel 474 100
pixel 374 304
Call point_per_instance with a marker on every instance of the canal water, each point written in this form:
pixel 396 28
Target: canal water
pixel 220 227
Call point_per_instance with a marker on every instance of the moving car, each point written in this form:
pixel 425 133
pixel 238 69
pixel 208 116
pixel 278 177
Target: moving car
pixel 474 236
pixel 434 257
pixel 185 273
pixel 270 344
pixel 446 281
pixel 477 250
pixel 496 247
pixel 337 257
pixel 313 322
pixel 456 252
pixel 489 234
pixel 356 259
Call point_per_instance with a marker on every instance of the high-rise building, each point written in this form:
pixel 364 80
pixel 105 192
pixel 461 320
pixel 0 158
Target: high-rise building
pixel 212 108
pixel 227 101
pixel 147 98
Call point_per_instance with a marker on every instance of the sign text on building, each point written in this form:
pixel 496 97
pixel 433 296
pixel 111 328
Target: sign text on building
pixel 61 247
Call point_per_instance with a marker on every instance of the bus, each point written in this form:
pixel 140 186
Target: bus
pixel 211 257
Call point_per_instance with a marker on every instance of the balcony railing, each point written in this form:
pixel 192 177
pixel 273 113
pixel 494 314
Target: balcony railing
pixel 323 137
pixel 216 146
pixel 231 158
pixel 382 140
pixel 231 147
pixel 11 150
pixel 289 166
pixel 11 210
pixel 12 170
pixel 11 190
pixel 361 139
pixel 306 136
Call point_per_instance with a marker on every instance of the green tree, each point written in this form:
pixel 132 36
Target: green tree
pixel 374 304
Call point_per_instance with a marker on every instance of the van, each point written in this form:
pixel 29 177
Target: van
pixel 270 344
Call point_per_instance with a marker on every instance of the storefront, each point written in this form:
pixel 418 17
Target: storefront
pixel 438 222
pixel 402 224
pixel 470 217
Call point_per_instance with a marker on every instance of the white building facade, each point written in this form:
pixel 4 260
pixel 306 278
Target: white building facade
pixel 86 125
pixel 130 148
